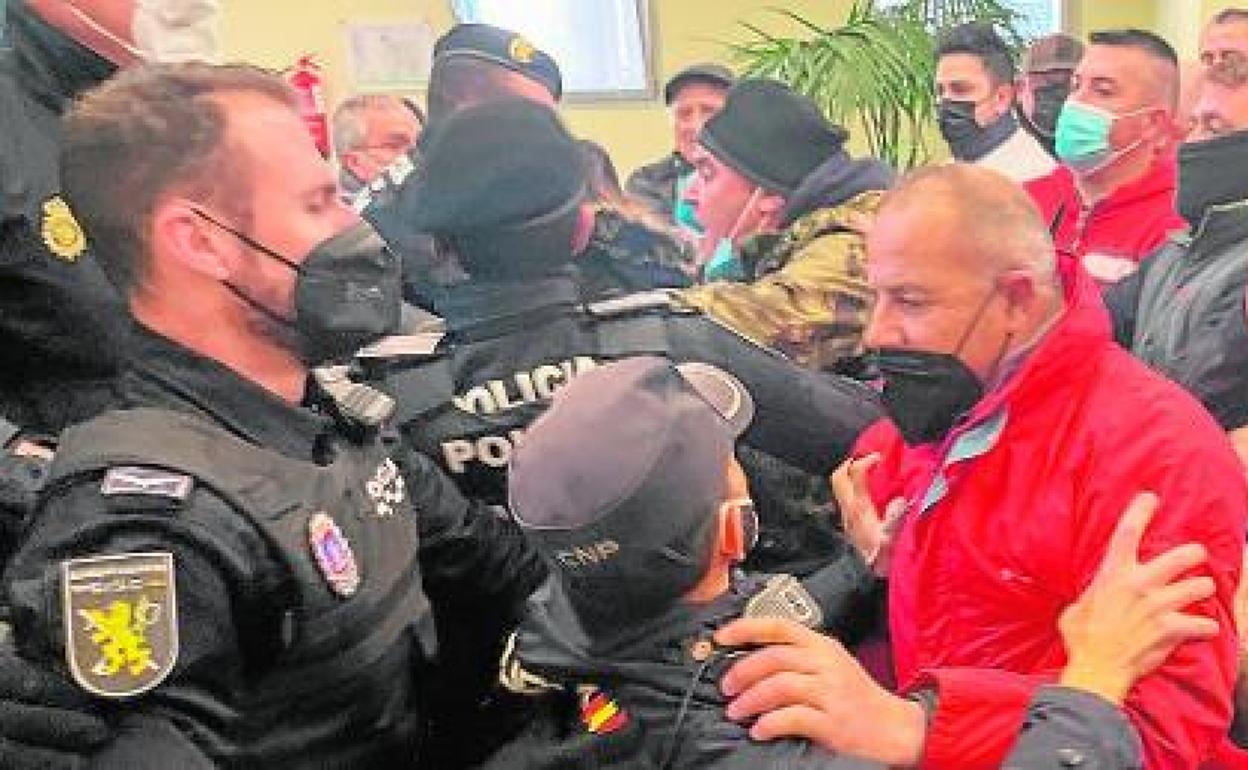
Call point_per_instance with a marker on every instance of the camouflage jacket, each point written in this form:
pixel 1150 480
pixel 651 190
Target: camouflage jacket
pixel 809 296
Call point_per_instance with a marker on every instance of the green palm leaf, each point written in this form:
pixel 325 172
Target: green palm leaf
pixel 875 71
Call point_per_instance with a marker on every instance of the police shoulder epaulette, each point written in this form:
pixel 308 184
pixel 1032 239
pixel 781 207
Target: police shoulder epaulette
pixel 421 345
pixel 146 481
pixel 658 299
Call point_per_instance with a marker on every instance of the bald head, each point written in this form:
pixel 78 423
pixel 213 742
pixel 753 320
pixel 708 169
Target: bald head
pixel 953 199
pixel 961 264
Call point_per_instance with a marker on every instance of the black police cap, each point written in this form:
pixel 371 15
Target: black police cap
pixel 502 47
pixel 714 74
pixel 494 166
pixel 619 483
pixel 771 135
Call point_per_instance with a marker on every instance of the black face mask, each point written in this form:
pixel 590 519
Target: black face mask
pixel 1211 173
pixel 925 393
pixel 347 292
pixel 1048 105
pixel 969 141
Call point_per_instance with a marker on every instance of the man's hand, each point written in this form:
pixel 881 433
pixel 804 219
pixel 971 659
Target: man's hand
pixel 805 685
pixel 44 722
pixel 870 533
pixel 1130 617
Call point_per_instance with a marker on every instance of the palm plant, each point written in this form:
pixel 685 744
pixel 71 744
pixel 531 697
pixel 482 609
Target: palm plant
pixel 875 71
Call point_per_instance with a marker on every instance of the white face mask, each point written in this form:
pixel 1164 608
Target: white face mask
pixel 168 31
pixel 178 30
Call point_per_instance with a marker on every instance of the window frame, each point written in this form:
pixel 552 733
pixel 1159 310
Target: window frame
pixel 646 25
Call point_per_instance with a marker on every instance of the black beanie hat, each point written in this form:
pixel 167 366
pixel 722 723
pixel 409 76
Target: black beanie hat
pixel 771 135
pixel 503 181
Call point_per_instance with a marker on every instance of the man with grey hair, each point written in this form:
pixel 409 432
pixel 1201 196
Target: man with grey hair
pixel 1020 433
pixel 370 132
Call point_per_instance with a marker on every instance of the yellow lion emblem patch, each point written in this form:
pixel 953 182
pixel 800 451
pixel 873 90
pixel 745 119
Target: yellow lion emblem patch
pixel 121 626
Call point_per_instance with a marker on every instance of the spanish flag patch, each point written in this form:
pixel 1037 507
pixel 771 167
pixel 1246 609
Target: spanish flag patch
pixel 600 714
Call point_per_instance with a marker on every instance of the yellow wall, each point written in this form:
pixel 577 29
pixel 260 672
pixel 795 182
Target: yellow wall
pixel 1089 15
pixel 275 32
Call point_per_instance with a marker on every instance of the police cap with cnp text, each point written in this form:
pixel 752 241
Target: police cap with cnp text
pixel 618 484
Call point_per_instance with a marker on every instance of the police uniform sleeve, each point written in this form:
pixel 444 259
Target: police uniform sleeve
pixel 806 418
pixel 150 645
pixel 1069 728
pixel 470 556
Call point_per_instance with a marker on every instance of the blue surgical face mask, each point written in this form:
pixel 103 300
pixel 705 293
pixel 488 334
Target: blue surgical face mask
pixel 727 265
pixel 724 264
pixel 1082 139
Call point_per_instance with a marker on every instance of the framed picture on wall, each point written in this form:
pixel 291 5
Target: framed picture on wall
pixel 390 57
pixel 604 48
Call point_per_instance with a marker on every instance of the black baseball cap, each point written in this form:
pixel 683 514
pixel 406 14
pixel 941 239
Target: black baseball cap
pixel 705 72
pixel 619 482
pixel 503 47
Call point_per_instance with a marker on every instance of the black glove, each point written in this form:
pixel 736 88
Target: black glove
pixel 45 723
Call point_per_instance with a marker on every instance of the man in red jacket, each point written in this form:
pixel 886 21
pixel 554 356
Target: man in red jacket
pixel 1020 433
pixel 1117 134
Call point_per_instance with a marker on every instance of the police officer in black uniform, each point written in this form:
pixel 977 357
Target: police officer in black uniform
pixel 472 63
pixel 62 325
pixel 236 565
pixel 502 187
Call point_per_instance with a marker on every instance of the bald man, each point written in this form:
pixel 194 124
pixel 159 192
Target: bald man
pixel 1117 133
pixel 1020 433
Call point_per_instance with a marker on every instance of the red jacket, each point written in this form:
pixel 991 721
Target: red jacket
pixel 1057 198
pixel 1034 483
pixel 1113 235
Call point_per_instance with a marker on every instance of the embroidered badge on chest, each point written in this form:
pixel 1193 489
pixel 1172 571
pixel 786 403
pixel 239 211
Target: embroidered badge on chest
pixel 333 555
pixel 386 488
pixel 121 622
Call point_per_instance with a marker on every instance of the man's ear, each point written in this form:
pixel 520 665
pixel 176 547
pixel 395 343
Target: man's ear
pixel 1003 97
pixel 731 533
pixel 177 233
pixel 1021 295
pixel 770 210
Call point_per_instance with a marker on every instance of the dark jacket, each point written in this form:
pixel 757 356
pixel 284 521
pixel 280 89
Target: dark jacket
pixel 509 346
pixel 625 256
pixel 1183 312
pixel 62 324
pixel 276 667
pixel 1068 728
pixel 655 185
pixel 664 676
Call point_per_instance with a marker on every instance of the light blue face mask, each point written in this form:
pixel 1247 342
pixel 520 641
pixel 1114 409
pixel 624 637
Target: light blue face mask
pixel 1082 138
pixel 683 213
pixel 724 264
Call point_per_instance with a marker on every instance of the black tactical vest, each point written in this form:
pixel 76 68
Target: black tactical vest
pixel 344 692
pixel 464 398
